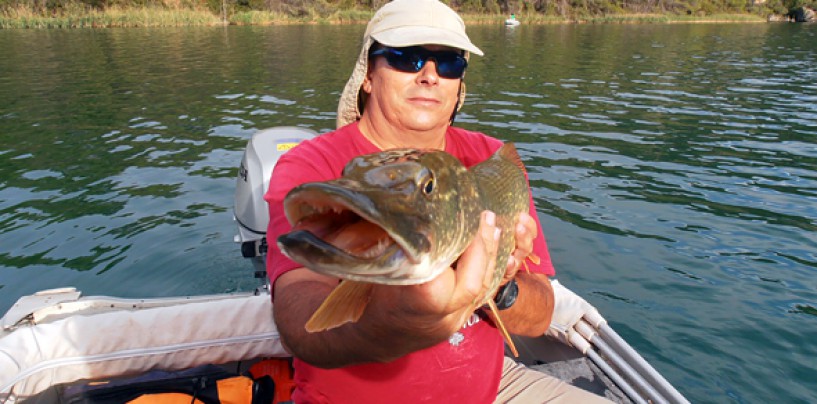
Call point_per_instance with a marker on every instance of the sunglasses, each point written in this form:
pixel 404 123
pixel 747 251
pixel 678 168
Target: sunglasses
pixel 450 64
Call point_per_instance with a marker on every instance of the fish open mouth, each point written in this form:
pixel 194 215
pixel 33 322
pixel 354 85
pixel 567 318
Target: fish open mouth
pixel 347 231
pixel 338 224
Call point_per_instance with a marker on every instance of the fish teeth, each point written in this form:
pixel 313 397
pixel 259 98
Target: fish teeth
pixel 319 209
pixel 378 249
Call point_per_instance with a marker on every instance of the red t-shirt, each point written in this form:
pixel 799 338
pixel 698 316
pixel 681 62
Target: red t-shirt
pixel 467 368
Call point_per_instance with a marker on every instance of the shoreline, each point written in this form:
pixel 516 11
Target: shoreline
pixel 161 17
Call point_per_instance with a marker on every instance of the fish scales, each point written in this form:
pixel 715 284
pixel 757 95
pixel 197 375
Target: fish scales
pixel 504 191
pixel 422 206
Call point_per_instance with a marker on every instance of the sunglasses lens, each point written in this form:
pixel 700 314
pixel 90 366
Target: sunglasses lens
pixel 405 61
pixel 450 65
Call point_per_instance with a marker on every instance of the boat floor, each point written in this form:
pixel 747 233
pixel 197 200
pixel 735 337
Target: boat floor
pixel 568 364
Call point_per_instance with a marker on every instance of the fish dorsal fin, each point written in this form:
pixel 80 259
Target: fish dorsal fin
pixel 508 152
pixel 344 305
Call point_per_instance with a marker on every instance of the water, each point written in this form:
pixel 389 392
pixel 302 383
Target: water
pixel 674 168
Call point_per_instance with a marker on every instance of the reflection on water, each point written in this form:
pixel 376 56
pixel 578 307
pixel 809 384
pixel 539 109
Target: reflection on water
pixel 674 167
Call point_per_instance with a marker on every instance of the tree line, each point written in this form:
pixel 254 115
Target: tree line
pixel 567 9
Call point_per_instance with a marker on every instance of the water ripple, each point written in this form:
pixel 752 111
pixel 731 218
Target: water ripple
pixel 673 167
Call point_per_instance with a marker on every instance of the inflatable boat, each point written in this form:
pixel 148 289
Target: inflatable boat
pixel 60 346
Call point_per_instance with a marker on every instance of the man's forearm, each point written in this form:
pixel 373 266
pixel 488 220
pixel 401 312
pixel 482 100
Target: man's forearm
pixel 333 348
pixel 349 344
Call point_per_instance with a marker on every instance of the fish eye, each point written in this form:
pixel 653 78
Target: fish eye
pixel 428 187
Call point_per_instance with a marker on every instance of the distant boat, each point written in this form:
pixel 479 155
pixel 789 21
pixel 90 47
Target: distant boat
pixel 512 21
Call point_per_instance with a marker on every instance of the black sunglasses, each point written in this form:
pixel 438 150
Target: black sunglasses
pixel 450 64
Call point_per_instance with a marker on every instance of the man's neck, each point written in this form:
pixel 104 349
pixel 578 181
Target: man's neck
pixel 387 137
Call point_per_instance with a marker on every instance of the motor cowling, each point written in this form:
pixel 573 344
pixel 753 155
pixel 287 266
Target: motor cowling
pixel 250 210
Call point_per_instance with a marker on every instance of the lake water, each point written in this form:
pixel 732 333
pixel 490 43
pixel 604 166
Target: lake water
pixel 674 168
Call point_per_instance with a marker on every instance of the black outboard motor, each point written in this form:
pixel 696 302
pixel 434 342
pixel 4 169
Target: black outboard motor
pixel 250 210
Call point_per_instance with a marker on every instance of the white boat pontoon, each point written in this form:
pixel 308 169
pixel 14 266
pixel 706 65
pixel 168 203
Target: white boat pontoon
pixel 512 21
pixel 57 342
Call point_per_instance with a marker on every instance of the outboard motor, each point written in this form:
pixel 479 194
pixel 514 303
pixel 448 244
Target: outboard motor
pixel 250 210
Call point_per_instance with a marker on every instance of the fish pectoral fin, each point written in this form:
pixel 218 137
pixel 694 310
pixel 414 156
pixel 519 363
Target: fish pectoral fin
pixel 504 331
pixel 533 258
pixel 344 305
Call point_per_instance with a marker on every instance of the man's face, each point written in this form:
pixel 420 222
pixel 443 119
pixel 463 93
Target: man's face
pixel 418 101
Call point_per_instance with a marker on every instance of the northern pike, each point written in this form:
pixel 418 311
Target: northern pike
pixel 400 217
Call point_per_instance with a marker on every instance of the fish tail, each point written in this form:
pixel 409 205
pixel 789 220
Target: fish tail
pixel 504 331
pixel 344 305
pixel 508 152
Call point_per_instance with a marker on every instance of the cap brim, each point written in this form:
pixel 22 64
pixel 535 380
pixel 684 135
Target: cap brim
pixel 412 36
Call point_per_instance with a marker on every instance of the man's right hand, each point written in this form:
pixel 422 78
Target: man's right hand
pixel 438 308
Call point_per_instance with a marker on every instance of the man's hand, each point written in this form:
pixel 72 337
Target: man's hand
pixel 531 313
pixel 526 231
pixel 438 308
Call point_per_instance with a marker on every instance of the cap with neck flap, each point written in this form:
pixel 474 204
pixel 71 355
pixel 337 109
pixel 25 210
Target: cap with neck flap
pixel 402 23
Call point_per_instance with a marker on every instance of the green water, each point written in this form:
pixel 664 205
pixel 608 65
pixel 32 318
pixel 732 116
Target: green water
pixel 674 168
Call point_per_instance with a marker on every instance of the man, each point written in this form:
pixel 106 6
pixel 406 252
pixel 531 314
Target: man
pixel 420 343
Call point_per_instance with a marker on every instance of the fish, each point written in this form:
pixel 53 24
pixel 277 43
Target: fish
pixel 401 217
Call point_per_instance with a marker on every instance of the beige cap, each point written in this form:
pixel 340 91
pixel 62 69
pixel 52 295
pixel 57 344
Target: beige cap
pixel 398 24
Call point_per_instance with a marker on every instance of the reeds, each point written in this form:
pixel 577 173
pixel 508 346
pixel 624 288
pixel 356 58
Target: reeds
pixel 20 17
pixel 254 17
pixel 539 19
pixel 308 16
pixel 630 19
pixel 181 13
pixel 719 18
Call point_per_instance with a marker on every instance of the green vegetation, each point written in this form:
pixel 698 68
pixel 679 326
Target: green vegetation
pixel 78 17
pixel 144 13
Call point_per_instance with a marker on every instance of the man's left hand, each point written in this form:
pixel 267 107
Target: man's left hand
pixel 525 231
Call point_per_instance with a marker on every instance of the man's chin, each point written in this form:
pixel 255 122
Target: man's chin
pixel 426 123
